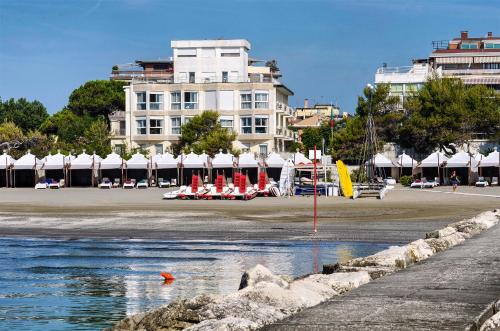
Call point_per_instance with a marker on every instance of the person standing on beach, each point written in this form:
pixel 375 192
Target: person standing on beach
pixel 454 180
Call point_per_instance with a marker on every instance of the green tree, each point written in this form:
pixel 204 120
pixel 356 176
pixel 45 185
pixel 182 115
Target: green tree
pixel 27 115
pixel 97 98
pixel 348 140
pixel 39 144
pixel 67 126
pixel 311 137
pixel 437 117
pixel 12 139
pixel 204 133
pixel 97 138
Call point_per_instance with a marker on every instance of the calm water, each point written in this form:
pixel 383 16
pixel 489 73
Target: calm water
pixel 88 284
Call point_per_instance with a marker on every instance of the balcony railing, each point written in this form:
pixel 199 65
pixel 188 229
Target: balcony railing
pixel 118 132
pixel 470 71
pixel 146 74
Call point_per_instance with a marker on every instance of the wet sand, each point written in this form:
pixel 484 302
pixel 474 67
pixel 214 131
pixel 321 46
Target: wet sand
pixel 72 212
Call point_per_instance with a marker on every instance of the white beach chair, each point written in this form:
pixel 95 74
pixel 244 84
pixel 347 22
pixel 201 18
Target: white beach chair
pixel 41 185
pixel 494 180
pixel 162 183
pixel 142 184
pixel 105 183
pixel 129 184
pixel 481 182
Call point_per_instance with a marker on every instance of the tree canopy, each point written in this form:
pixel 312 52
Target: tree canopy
pixel 97 98
pixel 204 133
pixel 27 115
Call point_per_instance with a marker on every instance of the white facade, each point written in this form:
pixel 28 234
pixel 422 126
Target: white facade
pixel 251 102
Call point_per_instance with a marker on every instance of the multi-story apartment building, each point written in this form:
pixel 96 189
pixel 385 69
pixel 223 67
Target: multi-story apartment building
pixel 403 81
pixel 203 75
pixel 474 60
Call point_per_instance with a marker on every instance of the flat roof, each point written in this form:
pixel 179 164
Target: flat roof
pixel 210 43
pixel 155 61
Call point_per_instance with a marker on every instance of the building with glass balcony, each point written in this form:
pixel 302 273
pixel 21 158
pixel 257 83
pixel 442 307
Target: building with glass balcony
pixel 203 75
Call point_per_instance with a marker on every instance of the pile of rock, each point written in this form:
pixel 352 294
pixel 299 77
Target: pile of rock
pixel 264 298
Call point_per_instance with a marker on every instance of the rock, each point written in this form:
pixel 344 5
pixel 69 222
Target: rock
pixel 374 271
pixel 259 273
pixel 225 324
pixel 394 256
pixel 342 281
pixel 420 250
pixel 441 244
pixel 311 292
pixel 441 233
pixel 475 225
pixel 286 300
pixel 330 268
pixel 492 323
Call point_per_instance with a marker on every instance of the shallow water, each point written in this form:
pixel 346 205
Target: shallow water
pixel 89 284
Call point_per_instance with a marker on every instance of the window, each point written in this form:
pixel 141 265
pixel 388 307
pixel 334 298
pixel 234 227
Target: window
pixel 155 126
pixel 156 101
pixel 191 77
pixel 141 101
pixel 263 150
pixel 186 52
pixel 176 125
pixel 491 65
pixel 261 100
pixel 211 100
pixel 246 125
pixel 226 122
pixel 225 76
pixel 123 127
pixel 119 149
pixel 159 149
pixel 230 52
pixel 190 100
pixel 261 124
pixel 175 100
pixel 468 46
pixel 246 100
pixel 141 126
pixel 490 45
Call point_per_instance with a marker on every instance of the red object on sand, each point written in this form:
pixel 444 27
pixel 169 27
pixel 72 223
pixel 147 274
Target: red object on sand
pixel 194 183
pixel 262 181
pixel 236 179
pixel 167 276
pixel 243 184
pixel 219 183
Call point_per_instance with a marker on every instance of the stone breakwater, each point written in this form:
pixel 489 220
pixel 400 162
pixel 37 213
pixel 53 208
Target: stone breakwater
pixel 265 298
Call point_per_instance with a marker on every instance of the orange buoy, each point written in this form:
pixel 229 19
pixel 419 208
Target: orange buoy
pixel 167 276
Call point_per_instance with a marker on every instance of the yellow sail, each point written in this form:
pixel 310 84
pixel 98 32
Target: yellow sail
pixel 345 179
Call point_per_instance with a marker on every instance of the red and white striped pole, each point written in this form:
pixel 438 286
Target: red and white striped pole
pixel 315 198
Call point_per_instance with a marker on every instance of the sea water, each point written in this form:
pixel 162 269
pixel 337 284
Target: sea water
pixel 89 284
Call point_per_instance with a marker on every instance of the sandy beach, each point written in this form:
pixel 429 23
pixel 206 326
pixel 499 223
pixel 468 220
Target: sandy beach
pixel 404 215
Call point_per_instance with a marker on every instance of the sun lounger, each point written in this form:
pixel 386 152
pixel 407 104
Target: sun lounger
pixel 116 183
pixel 494 180
pixel 142 184
pixel 481 182
pixel 163 183
pixel 54 184
pixel 249 194
pixel 390 181
pixel 418 183
pixel 42 185
pixel 105 183
pixel 174 194
pixel 129 184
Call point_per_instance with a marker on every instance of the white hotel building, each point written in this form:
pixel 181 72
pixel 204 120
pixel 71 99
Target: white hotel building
pixel 203 75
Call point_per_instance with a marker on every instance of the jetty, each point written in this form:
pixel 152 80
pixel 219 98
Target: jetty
pixel 453 290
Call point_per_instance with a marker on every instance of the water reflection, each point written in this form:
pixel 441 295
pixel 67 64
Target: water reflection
pixel 88 284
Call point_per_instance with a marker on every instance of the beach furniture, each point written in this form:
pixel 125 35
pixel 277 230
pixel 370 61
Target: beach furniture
pixel 417 183
pixel 129 184
pixel 116 182
pixel 482 182
pixel 42 185
pixel 494 180
pixel 174 194
pixel 105 183
pixel 274 164
pixel 142 184
pixel 162 183
pixel 56 184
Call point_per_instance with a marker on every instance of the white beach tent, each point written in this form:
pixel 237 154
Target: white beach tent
pixel 435 159
pixel 111 167
pixel 381 161
pixel 299 159
pixel 6 162
pixel 165 167
pixel 492 160
pixel 82 169
pixel 137 167
pixel 25 171
pixel 490 167
pixel 464 164
pixel 249 166
pixel 478 157
pixel 55 162
pixel 222 163
pixel 406 161
pixel 274 164
pixel 191 164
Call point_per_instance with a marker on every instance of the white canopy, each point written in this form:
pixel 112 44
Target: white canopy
pixel 492 160
pixel 112 161
pixel 274 160
pixel 478 157
pixel 6 161
pixel 247 160
pixel 192 160
pixel 461 160
pixel 222 160
pixel 164 161
pixel 84 161
pixel 204 157
pixel 406 161
pixel 436 159
pixel 55 162
pixel 27 161
pixel 299 158
pixel 381 161
pixel 138 161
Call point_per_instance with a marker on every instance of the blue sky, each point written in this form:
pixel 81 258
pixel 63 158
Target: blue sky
pixel 327 49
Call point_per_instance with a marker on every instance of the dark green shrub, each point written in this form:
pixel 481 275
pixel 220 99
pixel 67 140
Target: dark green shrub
pixel 405 180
